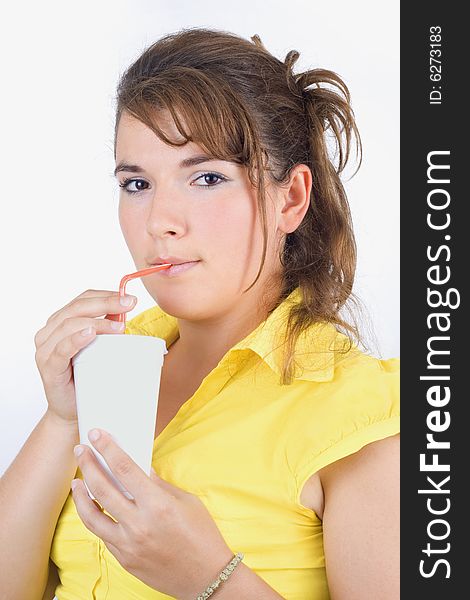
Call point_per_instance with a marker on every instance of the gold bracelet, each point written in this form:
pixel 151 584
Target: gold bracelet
pixel 223 576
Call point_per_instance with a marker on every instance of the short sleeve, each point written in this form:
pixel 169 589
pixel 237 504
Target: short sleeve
pixel 361 405
pixel 133 329
pixel 154 322
pixel 136 325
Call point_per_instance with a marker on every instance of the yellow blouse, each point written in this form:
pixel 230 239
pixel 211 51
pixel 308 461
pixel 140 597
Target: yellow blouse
pixel 246 445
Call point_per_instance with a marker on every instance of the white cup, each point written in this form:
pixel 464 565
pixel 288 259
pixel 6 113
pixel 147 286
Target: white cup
pixel 117 381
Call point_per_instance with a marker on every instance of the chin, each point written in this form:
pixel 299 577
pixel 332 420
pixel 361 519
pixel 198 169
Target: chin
pixel 191 304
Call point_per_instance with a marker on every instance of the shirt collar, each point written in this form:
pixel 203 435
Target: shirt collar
pixel 315 350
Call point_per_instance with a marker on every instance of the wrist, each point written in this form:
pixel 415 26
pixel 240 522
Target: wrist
pixel 213 578
pixel 57 422
pixel 205 573
pixel 241 583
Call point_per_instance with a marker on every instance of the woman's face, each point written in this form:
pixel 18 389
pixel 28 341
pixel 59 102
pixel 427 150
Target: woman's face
pixel 205 212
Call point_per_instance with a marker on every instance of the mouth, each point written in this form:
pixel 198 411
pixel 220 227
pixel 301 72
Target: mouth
pixel 177 268
pixel 174 260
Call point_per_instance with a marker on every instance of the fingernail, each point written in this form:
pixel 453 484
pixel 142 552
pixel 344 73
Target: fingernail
pixel 78 450
pixel 74 484
pixel 86 331
pixel 93 435
pixel 127 300
pixel 117 326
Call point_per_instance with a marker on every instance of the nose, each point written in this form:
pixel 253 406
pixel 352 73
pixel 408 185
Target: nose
pixel 166 217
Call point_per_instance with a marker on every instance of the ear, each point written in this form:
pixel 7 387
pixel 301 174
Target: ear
pixel 295 199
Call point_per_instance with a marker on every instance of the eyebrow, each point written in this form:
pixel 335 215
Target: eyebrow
pixel 184 164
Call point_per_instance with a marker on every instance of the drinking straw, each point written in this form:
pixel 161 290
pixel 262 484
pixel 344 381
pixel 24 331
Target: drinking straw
pixel 142 273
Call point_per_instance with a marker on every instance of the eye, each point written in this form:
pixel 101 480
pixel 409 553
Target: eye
pixel 208 176
pixel 127 182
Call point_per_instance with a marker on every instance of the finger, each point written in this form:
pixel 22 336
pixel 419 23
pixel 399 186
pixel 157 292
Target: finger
pixel 68 339
pixel 132 477
pixel 86 294
pixel 98 505
pixel 94 306
pixel 88 307
pixel 54 365
pixel 93 519
pixel 101 486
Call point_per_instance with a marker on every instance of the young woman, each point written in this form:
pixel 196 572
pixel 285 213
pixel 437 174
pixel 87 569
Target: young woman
pixel 276 436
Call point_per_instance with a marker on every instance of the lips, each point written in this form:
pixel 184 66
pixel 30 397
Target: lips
pixel 178 269
pixel 174 260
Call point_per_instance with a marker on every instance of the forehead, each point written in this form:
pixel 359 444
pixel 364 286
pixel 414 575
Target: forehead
pixel 129 126
pixel 134 138
pixel 138 144
pixel 139 148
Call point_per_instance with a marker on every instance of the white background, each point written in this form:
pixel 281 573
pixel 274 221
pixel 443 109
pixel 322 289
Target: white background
pixel 60 63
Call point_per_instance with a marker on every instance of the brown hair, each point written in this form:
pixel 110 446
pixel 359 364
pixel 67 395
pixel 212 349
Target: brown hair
pixel 242 104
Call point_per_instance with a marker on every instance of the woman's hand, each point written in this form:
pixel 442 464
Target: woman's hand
pixel 165 536
pixel 62 337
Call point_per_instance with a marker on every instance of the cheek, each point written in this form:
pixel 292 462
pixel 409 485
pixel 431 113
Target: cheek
pixel 233 235
pixel 233 230
pixel 122 213
pixel 128 220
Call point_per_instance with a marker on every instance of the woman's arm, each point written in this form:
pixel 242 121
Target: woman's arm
pixel 32 493
pixel 361 523
pixel 35 486
pixel 52 582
